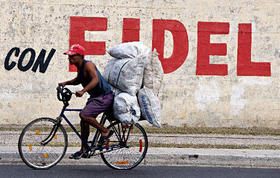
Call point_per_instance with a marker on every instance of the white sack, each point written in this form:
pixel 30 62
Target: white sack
pixel 125 74
pixel 107 69
pixel 129 50
pixel 150 106
pixel 126 108
pixel 153 73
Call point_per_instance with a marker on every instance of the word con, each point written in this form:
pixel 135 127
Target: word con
pixel 131 31
pixel 39 62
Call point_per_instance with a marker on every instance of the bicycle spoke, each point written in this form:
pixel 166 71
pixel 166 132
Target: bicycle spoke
pixel 131 127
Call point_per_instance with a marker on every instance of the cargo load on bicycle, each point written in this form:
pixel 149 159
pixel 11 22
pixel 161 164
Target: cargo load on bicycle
pixel 135 75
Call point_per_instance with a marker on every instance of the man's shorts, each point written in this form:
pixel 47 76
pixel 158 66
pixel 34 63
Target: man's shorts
pixel 97 105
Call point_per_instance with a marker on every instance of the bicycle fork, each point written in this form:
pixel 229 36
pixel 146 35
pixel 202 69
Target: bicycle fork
pixel 53 132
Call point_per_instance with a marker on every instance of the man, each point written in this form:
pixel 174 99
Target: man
pixel 101 97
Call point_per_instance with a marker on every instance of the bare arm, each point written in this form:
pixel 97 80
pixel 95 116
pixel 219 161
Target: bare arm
pixel 74 81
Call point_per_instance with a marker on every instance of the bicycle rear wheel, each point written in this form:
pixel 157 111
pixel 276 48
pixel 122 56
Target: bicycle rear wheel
pixel 127 147
pixel 42 144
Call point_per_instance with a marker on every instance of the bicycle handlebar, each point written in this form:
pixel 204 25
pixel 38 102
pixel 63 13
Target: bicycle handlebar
pixel 59 91
pixel 64 94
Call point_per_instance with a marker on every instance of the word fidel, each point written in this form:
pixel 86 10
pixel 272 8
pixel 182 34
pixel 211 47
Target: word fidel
pixel 131 31
pixel 40 61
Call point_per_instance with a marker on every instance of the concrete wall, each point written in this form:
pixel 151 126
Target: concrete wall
pixel 242 91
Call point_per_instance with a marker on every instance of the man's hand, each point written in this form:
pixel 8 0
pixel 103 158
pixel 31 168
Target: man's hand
pixel 80 93
pixel 62 84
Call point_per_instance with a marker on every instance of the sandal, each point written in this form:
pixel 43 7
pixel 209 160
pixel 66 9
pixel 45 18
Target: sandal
pixel 79 155
pixel 104 138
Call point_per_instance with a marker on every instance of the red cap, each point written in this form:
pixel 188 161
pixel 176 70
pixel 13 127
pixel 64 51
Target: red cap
pixel 76 49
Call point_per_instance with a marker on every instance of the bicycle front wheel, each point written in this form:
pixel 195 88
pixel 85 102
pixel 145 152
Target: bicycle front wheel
pixel 42 143
pixel 127 147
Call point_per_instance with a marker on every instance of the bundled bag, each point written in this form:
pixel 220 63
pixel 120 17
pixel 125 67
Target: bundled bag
pixel 150 106
pixel 125 75
pixel 126 108
pixel 129 50
pixel 153 73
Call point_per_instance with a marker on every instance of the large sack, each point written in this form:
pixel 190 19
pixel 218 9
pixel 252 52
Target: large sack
pixel 153 73
pixel 150 106
pixel 125 75
pixel 126 108
pixel 107 69
pixel 129 50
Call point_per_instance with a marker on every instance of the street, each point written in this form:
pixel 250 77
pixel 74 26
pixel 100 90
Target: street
pixel 80 171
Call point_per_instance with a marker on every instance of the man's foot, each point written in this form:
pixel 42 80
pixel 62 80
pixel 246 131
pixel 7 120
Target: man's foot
pixel 104 138
pixel 79 155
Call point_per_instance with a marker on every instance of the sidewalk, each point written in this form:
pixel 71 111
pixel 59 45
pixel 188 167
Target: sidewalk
pixel 176 156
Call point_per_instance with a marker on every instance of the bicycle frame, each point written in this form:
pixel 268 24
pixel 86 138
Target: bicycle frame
pixel 120 140
pixel 85 142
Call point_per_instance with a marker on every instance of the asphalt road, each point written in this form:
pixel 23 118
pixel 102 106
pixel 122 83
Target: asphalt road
pixel 61 171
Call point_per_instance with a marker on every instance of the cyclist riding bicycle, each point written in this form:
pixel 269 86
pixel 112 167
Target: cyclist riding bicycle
pixel 100 100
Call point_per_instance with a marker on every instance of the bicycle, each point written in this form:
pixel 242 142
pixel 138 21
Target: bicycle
pixel 44 141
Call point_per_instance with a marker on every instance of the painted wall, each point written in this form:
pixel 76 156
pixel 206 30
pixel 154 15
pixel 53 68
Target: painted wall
pixel 220 58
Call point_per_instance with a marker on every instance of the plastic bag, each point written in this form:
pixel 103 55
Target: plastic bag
pixel 153 73
pixel 126 108
pixel 125 75
pixel 150 106
pixel 129 50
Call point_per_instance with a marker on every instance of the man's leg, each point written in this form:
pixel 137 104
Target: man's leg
pixel 84 133
pixel 93 122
